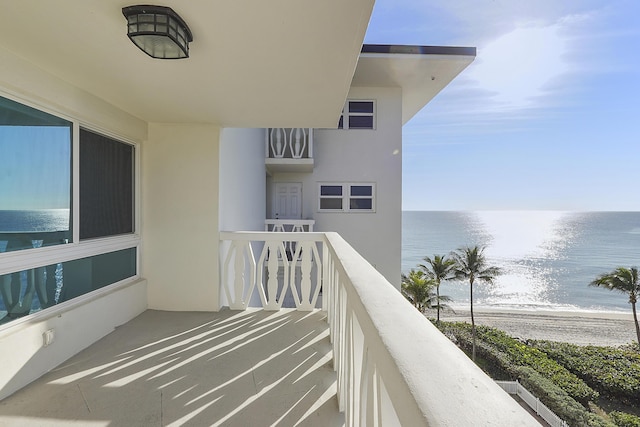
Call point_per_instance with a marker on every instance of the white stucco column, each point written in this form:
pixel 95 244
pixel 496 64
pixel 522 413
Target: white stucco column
pixel 180 183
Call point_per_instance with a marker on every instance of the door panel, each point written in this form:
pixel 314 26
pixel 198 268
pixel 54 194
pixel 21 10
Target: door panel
pixel 288 200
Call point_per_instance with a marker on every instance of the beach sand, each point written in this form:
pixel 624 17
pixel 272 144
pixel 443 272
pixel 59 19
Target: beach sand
pixel 583 328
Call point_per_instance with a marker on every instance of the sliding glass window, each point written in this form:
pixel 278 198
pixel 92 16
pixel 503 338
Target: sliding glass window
pixel 36 205
pixel 34 289
pixel 106 186
pixel 35 178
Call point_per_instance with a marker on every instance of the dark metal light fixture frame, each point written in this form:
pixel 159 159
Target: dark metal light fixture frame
pixel 158 31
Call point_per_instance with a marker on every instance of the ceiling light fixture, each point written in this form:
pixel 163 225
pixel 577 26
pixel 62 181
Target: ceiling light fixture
pixel 158 31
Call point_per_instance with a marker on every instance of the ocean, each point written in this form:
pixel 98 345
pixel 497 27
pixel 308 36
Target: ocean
pixel 548 258
pixel 41 220
pixel 34 220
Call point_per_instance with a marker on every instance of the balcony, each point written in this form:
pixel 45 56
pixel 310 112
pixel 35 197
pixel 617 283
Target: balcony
pixel 289 150
pixel 365 357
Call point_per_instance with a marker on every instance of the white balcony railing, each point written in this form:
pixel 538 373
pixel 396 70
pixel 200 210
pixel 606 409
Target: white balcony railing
pixel 289 143
pixel 517 389
pixel 296 225
pixel 289 150
pixel 393 366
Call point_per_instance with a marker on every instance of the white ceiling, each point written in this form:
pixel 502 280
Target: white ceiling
pixel 254 63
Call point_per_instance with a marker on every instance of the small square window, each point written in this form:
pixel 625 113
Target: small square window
pixel 361 107
pixel 361 122
pixel 358 115
pixel 331 204
pixel 331 190
pixel 361 190
pixel 347 197
pixel 361 204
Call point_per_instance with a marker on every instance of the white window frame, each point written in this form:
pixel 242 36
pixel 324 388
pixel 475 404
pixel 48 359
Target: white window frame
pixel 26 259
pixel 346 117
pixel 332 197
pixel 347 196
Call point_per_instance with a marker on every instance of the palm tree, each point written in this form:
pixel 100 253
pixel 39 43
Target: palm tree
pixel 418 289
pixel 438 268
pixel 471 265
pixel 623 280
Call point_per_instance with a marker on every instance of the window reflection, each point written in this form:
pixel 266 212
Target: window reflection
pixel 28 291
pixel 35 178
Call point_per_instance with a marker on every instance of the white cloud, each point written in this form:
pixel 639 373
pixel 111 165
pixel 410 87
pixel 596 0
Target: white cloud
pixel 516 68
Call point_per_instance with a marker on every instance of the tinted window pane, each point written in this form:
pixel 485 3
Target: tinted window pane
pixel 88 274
pixel 35 178
pixel 360 122
pixel 361 106
pixel 341 122
pixel 106 186
pixel 361 204
pixel 331 190
pixel 361 190
pixel 331 203
pixel 35 289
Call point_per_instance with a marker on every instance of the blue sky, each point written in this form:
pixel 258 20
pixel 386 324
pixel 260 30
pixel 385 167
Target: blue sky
pixel 546 117
pixel 36 176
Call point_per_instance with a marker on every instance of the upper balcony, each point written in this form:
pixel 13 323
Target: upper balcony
pixel 289 150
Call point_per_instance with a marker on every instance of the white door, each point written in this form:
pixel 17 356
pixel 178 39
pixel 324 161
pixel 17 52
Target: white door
pixel 287 200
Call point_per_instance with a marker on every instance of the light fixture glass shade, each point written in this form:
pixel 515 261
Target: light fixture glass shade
pixel 158 31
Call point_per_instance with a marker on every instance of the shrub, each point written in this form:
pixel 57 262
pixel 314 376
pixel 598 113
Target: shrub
pixel 622 419
pixel 558 400
pixel 612 371
pixel 515 353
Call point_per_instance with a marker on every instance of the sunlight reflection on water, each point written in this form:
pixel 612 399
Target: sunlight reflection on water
pixel 547 257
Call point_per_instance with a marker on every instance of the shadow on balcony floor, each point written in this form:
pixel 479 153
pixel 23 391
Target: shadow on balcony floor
pixel 251 368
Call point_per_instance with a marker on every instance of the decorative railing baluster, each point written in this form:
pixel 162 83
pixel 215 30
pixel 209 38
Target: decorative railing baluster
pixel 273 255
pixel 297 142
pixel 241 253
pixel 306 258
pixel 277 145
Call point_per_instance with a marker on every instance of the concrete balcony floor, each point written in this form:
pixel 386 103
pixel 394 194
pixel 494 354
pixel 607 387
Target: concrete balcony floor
pixel 251 368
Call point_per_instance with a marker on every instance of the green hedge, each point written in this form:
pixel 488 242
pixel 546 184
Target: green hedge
pixel 508 353
pixel 542 368
pixel 623 419
pixel 612 371
pixel 558 400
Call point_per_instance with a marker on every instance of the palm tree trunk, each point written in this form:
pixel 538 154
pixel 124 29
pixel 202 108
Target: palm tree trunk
pixel 635 319
pixel 438 302
pixel 473 325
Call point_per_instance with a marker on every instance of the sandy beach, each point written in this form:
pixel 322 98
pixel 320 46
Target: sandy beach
pixel 583 328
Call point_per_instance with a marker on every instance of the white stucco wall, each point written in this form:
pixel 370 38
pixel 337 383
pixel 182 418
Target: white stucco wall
pixel 78 323
pixel 362 156
pixel 40 89
pixel 180 216
pixel 242 180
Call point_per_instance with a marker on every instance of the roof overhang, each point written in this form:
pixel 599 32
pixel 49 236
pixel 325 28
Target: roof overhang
pixel 253 63
pixel 420 71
